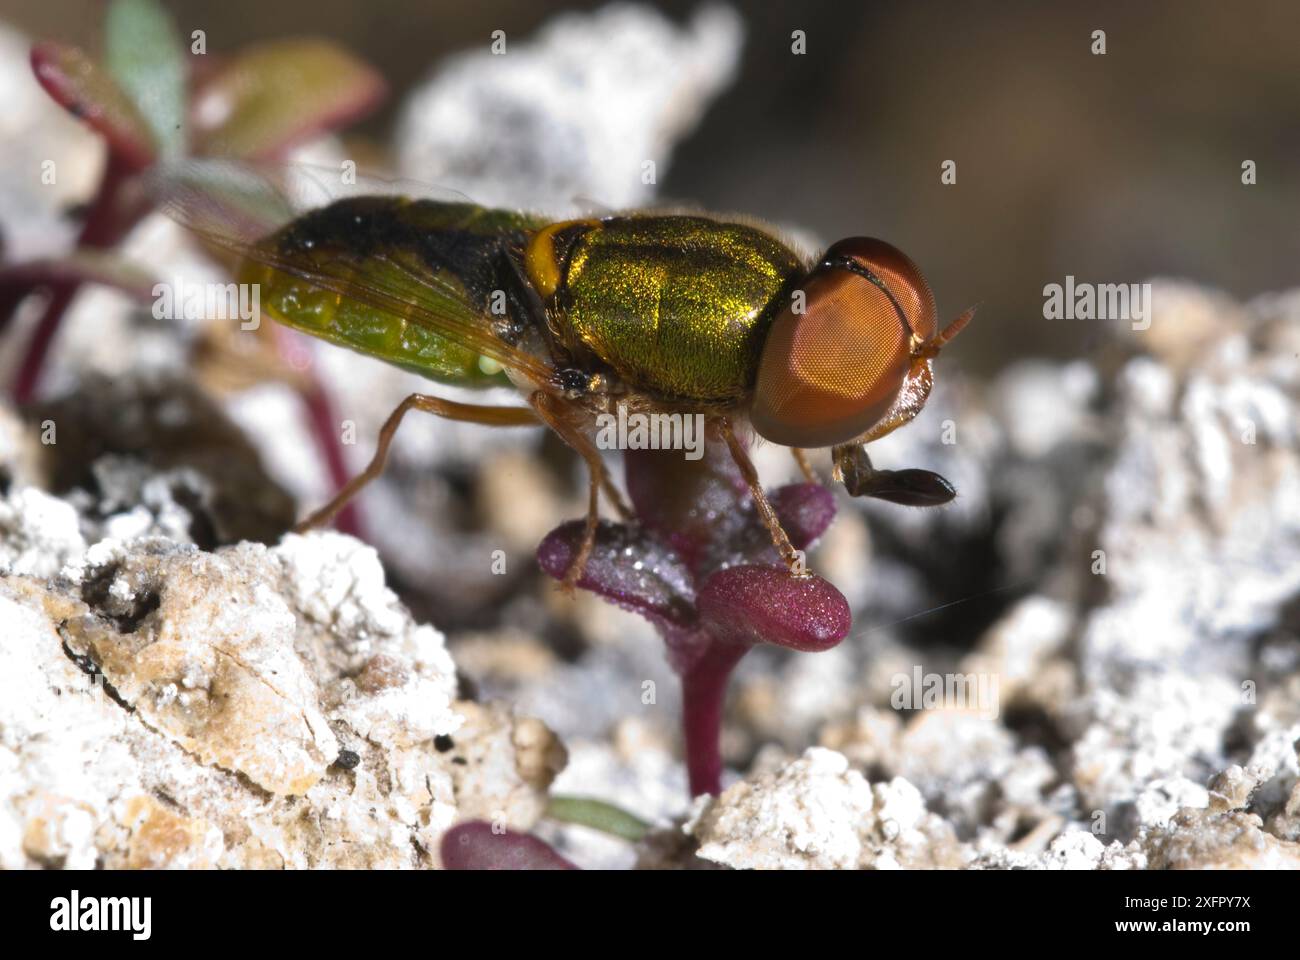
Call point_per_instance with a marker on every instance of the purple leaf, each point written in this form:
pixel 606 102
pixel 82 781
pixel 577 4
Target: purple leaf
pixel 278 95
pixel 764 604
pixel 805 510
pixel 627 567
pixel 84 88
pixel 475 846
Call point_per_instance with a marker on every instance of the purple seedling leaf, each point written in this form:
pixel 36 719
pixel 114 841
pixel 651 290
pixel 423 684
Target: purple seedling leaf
pixel 85 89
pixel 627 567
pixel 476 846
pixel 754 604
pixel 805 510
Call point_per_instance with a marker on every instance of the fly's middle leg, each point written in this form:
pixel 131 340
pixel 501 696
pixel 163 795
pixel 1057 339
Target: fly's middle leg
pixel 450 409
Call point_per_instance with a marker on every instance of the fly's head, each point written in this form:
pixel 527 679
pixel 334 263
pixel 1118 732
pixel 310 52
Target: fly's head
pixel 848 359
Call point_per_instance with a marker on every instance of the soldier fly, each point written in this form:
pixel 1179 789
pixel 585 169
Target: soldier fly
pixel 663 312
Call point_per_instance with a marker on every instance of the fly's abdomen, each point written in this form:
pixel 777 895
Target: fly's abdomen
pixel 386 252
pixel 676 305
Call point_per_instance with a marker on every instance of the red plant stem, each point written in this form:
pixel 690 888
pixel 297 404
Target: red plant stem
pixel 704 693
pixel 324 425
pixel 322 422
pixel 105 225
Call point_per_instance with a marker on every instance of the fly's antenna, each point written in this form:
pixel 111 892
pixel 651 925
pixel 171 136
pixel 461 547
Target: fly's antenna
pixel 932 348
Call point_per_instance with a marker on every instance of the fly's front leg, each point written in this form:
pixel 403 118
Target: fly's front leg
pixel 792 558
pixel 450 409
pixel 552 411
pixel 801 458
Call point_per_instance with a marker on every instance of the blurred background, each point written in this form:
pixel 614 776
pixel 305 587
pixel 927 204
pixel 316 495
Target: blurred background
pixel 1112 168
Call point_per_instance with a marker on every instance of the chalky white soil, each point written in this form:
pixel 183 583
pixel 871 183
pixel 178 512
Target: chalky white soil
pixel 164 706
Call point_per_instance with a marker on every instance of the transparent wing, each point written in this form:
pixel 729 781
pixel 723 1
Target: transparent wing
pixel 237 207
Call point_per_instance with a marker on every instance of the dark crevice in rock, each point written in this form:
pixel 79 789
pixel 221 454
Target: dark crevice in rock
pixel 167 800
pixel 126 615
pixel 203 530
pixel 422 858
pixel 88 666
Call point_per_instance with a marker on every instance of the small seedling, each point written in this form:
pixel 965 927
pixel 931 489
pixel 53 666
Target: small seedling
pixel 150 103
pixel 699 565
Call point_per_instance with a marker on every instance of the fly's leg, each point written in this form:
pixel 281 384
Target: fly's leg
pixel 466 412
pixel 578 442
pixel 614 496
pixel 579 563
pixel 789 555
pixel 551 410
pixel 801 458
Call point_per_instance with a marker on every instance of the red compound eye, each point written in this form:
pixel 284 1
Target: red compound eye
pixel 830 372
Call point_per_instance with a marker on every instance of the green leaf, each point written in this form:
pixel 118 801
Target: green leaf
pixel 277 95
pixel 144 54
pixel 598 815
pixel 84 88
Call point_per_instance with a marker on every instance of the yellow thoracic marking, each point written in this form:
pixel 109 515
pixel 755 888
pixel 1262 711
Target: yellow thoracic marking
pixel 540 262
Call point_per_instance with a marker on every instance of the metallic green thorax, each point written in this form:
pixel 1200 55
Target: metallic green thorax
pixel 676 305
pixel 439 255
